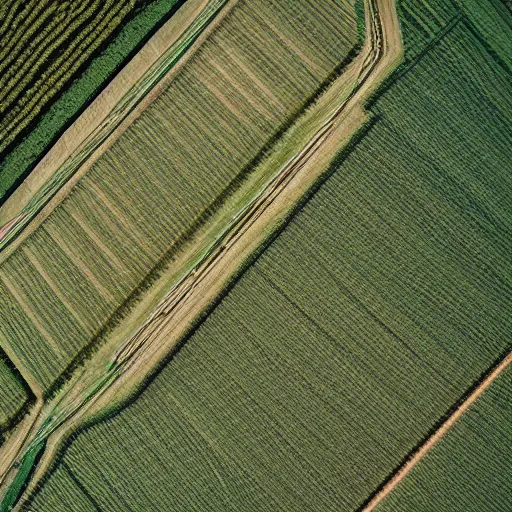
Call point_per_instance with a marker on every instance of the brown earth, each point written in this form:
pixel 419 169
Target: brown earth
pixel 434 439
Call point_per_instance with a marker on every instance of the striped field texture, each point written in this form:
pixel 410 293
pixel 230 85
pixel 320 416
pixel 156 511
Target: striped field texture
pixel 12 395
pixel 423 21
pixel 337 352
pixel 469 470
pixel 65 492
pixel 43 43
pixel 148 190
pixel 493 20
pixel 59 109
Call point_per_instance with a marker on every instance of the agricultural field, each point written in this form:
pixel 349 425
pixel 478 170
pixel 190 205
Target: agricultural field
pixel 384 299
pixel 420 28
pixel 65 492
pixel 469 470
pixel 492 21
pixel 356 357
pixel 55 57
pixel 13 395
pixel 423 22
pixel 147 193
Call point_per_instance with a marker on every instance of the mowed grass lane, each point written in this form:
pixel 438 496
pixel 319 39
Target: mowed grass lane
pixel 255 72
pixel 380 304
pixel 469 470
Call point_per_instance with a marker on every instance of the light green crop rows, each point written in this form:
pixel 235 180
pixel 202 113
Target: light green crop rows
pixel 163 173
pixel 385 298
pixel 469 470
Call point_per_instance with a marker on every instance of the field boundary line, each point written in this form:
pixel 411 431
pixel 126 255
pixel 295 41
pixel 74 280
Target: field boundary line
pixel 444 32
pixel 460 409
pixel 23 429
pixel 76 162
pixel 240 230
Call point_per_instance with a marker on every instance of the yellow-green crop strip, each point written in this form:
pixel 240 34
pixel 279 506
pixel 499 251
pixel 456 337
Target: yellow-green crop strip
pixel 125 106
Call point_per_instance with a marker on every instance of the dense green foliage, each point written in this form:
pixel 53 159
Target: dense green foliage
pixel 164 173
pixel 382 301
pixel 135 29
pixel 424 21
pixel 493 20
pixel 469 470
pixel 42 45
pixel 420 27
pixel 26 466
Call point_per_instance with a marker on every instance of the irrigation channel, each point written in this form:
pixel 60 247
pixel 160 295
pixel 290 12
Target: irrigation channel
pixel 10 230
pixel 196 271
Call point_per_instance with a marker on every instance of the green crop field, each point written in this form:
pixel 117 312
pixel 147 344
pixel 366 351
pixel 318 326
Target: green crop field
pixel 164 173
pixel 54 59
pixel 64 492
pixel 469 470
pixel 422 22
pixel 13 396
pixel 43 44
pixel 420 27
pixel 383 300
pixel 493 21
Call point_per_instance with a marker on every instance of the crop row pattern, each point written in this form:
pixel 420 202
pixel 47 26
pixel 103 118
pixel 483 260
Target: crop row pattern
pixel 377 307
pixel 469 470
pixel 61 286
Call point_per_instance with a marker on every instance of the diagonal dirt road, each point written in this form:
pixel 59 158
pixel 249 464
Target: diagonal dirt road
pixel 434 439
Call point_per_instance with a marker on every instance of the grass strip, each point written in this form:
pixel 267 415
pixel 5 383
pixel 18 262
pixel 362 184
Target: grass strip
pixel 22 476
pixel 24 156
